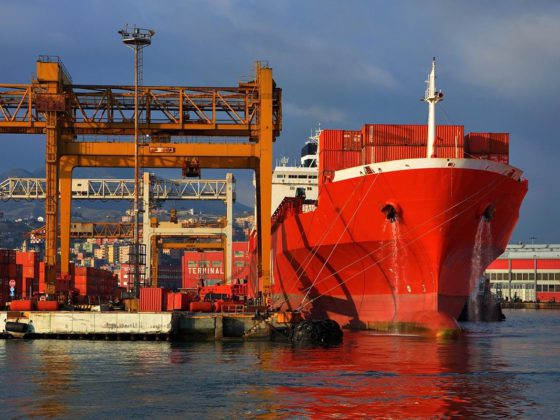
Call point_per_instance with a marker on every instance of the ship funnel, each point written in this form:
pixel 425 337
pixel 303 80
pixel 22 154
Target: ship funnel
pixel 488 213
pixel 390 213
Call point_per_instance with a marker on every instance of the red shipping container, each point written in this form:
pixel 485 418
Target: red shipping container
pixel 21 305
pixel 152 299
pixel 477 143
pixel 351 159
pixel 331 140
pixel 352 140
pixel 177 302
pixel 548 296
pixel 330 160
pixel 449 152
pixel 12 270
pixel 47 305
pixel 487 143
pixel 29 286
pixel 200 307
pixel 411 135
pixel 27 258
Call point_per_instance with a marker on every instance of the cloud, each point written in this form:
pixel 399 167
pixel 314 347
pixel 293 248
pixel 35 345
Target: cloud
pixel 511 55
pixel 315 113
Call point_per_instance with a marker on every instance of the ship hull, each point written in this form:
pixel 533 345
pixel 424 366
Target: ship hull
pixel 347 261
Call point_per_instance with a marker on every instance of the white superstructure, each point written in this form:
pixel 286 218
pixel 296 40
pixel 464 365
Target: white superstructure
pixel 290 181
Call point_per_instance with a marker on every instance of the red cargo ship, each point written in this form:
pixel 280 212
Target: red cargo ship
pixel 392 226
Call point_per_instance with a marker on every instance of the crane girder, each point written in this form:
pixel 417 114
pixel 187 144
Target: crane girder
pixel 109 110
pixel 119 189
pixel 109 230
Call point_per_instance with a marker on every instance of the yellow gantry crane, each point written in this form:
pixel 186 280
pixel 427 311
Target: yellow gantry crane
pixel 52 105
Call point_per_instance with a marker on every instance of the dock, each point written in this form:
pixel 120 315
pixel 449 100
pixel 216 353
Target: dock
pixel 530 305
pixel 121 325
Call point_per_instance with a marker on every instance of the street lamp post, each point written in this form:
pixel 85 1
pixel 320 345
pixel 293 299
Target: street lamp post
pixel 137 39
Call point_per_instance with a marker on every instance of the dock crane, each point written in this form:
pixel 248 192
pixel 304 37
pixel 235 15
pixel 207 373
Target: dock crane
pixel 61 110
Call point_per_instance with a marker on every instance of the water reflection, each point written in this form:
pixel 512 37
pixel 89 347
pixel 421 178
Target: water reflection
pixel 396 376
pixel 498 369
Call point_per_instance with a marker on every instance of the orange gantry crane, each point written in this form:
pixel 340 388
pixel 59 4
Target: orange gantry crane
pixel 52 105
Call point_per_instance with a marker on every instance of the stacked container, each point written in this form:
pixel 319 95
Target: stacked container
pixel 338 149
pixel 490 146
pixel 8 271
pixel 28 263
pixel 89 281
pixel 387 142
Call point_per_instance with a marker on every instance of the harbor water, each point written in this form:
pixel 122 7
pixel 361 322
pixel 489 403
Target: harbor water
pixel 508 369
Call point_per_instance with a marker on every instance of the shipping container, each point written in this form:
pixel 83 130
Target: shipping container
pixel 177 302
pixel 47 305
pixel 352 140
pixel 351 159
pixel 200 307
pixel 152 299
pixel 21 305
pixel 449 152
pixel 411 135
pixel 331 140
pixel 487 143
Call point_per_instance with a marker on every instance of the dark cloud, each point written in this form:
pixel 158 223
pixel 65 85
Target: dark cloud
pixel 340 64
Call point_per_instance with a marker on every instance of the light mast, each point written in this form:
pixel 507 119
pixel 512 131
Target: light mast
pixel 432 97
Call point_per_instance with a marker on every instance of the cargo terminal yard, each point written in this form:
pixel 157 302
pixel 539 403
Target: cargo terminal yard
pixel 54 106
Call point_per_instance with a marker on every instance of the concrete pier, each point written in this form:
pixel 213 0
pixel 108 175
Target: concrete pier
pixel 138 325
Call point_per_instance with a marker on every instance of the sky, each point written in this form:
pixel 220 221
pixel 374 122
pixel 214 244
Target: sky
pixel 340 64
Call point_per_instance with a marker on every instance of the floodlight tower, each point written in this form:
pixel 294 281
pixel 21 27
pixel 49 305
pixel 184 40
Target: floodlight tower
pixel 137 39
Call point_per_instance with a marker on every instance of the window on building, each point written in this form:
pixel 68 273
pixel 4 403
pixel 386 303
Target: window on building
pixel 525 276
pixel 539 288
pixel 539 276
pixel 556 276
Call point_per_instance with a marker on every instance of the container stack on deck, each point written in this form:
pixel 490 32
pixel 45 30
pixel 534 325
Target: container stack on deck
pixel 341 149
pixel 491 146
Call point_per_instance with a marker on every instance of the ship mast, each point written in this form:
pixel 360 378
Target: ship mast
pixel 432 97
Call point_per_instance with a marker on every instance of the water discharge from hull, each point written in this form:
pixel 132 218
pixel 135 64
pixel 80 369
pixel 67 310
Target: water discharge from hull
pixel 398 253
pixel 483 239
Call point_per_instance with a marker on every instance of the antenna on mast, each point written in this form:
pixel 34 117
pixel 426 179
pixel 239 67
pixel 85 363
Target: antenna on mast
pixel 432 97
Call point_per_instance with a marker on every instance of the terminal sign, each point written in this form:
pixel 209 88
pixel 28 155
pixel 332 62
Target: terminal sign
pixel 206 270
